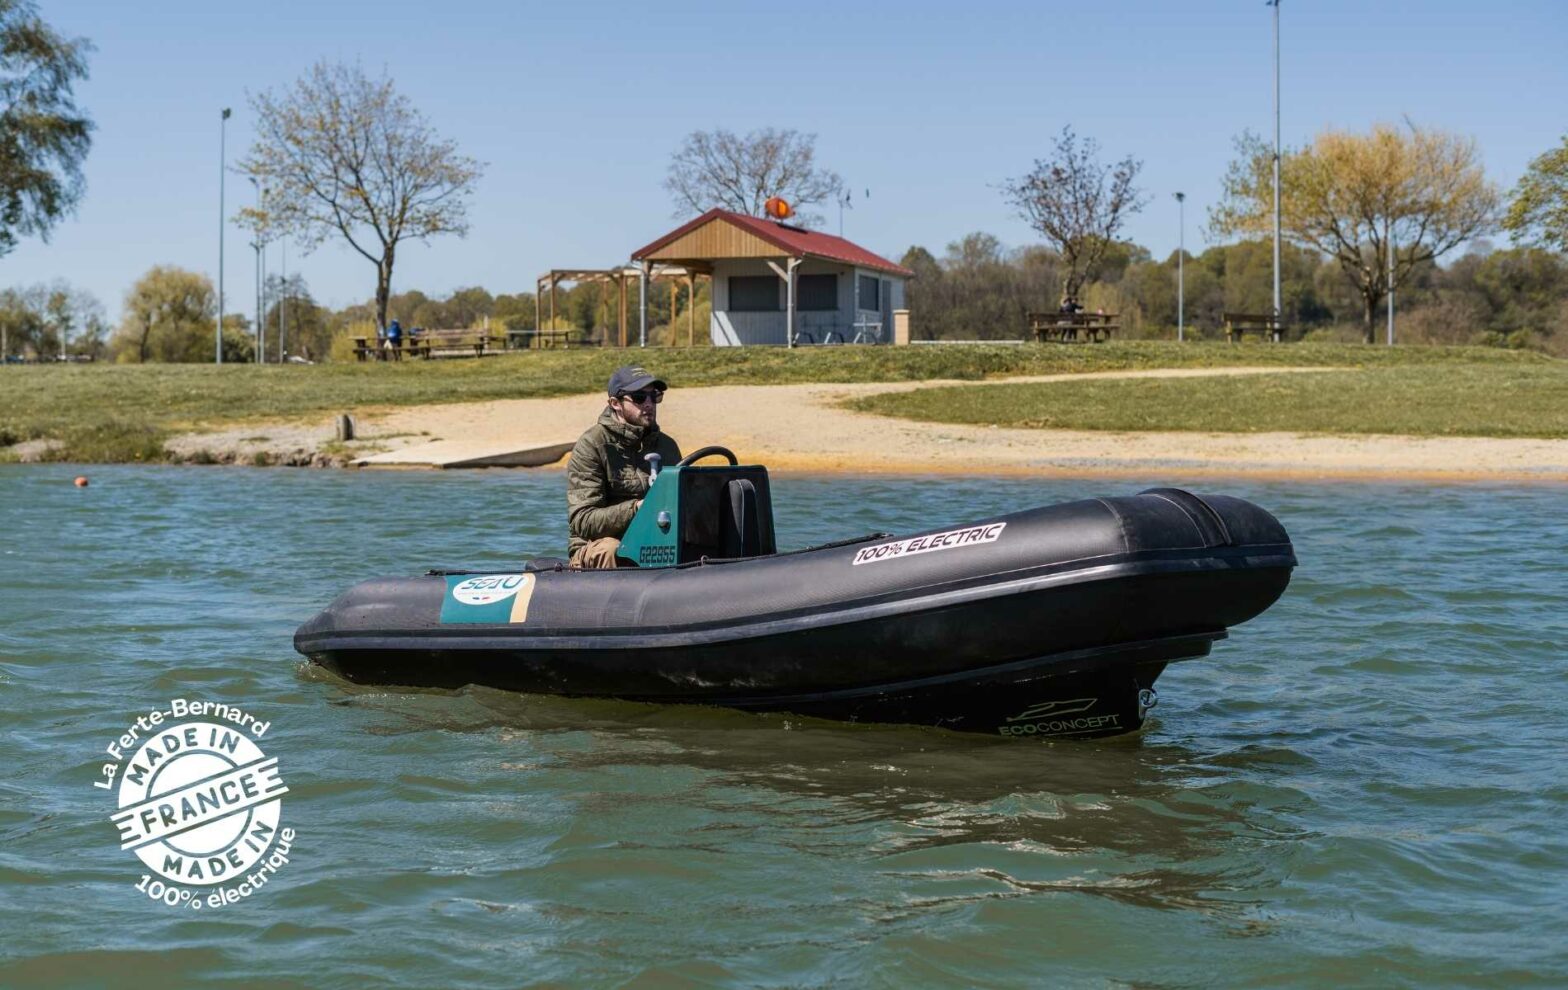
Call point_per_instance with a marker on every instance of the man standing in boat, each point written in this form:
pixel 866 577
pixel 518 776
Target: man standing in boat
pixel 607 475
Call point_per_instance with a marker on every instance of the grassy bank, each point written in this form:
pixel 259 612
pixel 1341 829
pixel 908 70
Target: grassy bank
pixel 122 413
pixel 1460 399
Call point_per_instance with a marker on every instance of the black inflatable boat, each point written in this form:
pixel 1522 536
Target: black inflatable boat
pixel 1054 621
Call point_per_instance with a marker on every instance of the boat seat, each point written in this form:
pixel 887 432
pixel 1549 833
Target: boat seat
pixel 739 522
pixel 726 513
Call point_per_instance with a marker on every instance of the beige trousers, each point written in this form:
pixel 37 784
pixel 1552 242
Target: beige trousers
pixel 597 555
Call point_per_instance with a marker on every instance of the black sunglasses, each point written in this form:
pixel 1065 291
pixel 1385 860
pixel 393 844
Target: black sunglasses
pixel 642 396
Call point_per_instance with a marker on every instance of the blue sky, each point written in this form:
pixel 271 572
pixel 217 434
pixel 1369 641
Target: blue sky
pixel 576 108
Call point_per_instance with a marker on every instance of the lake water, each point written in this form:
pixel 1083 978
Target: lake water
pixel 1364 786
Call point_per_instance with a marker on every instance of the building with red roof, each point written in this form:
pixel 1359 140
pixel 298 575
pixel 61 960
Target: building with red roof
pixel 774 283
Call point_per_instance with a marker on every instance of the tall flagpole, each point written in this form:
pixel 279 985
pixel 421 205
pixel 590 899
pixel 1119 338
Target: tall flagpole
pixel 1181 274
pixel 1277 308
pixel 223 133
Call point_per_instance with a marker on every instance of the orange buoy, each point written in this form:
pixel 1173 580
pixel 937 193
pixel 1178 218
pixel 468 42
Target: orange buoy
pixel 81 481
pixel 778 208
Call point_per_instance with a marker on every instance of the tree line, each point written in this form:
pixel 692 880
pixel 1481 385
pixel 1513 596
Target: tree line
pixel 342 155
pixel 977 288
pixel 980 289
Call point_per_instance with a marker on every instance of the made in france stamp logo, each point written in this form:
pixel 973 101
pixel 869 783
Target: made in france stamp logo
pixel 199 803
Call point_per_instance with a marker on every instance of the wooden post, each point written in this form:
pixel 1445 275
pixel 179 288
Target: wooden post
pixel 789 322
pixel 787 273
pixel 553 283
pixel 642 303
pixel 620 280
pixel 672 312
pixel 691 310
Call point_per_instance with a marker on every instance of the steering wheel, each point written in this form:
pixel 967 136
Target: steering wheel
pixel 709 451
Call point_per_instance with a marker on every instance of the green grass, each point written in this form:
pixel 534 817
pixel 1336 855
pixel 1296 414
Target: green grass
pixel 1490 400
pixel 122 413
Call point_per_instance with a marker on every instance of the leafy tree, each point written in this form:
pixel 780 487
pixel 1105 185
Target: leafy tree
pixel 1077 204
pixel 1248 275
pixel 515 312
pixel 978 290
pixel 1538 209
pixel 44 138
pixel 51 321
pixel 1523 289
pixel 404 306
pixel 239 342
pixel 343 155
pixel 1347 194
pixel 920 261
pixel 462 309
pixel 468 307
pixel 720 168
pixel 21 324
pixel 167 318
pixel 305 331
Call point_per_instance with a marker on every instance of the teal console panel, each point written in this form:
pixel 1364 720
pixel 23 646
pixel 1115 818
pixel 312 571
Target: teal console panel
pixel 694 512
pixel 652 540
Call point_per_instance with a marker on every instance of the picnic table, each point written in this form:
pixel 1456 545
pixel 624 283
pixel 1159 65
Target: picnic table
pixel 1238 325
pixel 1067 328
pixel 524 339
pixel 429 343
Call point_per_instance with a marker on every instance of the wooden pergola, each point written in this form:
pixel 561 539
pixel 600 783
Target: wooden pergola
pixel 674 275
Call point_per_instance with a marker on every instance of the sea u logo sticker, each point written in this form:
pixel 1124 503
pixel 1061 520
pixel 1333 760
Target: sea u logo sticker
pixel 489 588
pixel 491 598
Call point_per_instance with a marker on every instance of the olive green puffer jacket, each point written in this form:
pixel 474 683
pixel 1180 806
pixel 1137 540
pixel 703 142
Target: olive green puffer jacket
pixel 607 477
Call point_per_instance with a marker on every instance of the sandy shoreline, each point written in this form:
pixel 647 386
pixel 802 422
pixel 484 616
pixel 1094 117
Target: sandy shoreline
pixel 804 428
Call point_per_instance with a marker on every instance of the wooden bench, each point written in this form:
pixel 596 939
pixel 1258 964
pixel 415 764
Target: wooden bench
pixel 1067 328
pixel 1238 325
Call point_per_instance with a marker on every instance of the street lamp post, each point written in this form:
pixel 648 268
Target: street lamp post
pixel 1181 273
pixel 261 312
pixel 1390 237
pixel 1277 308
pixel 283 297
pixel 223 133
pixel 256 247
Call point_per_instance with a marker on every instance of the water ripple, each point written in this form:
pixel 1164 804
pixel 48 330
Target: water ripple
pixel 1361 786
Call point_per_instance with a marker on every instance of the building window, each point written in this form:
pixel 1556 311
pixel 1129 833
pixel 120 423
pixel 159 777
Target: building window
pixel 870 297
pixel 816 292
pixel 754 294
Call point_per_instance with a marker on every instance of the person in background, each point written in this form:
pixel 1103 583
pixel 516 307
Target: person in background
pixel 395 339
pixel 607 476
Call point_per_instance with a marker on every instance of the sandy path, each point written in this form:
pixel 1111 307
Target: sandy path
pixel 802 427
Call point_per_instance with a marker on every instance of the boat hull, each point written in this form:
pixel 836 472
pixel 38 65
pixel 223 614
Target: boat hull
pixel 1058 626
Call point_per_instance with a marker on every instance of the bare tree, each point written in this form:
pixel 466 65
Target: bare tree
pixel 1077 204
pixel 719 168
pixel 343 154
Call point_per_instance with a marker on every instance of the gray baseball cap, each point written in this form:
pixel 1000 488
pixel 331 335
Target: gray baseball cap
pixel 632 378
